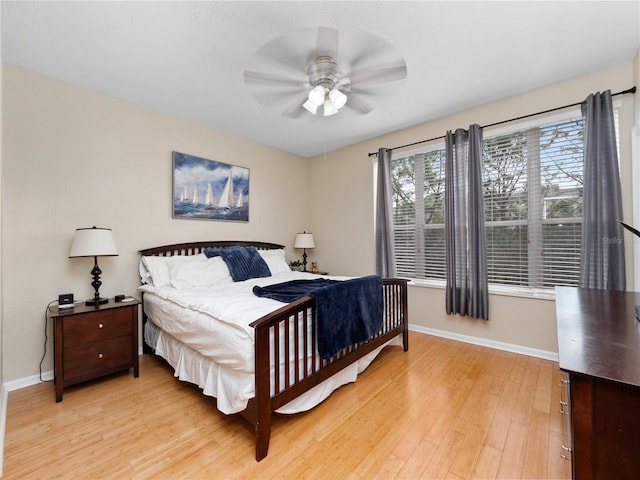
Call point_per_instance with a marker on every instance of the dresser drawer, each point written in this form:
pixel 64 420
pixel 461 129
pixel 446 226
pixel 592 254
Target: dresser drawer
pixel 96 326
pixel 97 358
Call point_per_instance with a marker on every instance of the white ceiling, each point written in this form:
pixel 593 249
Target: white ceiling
pixel 187 58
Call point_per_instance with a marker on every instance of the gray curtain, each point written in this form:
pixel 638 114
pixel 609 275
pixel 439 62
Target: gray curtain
pixel 467 287
pixel 602 250
pixel 385 253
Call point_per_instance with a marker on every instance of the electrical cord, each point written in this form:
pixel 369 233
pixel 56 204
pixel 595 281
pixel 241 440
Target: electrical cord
pixel 46 338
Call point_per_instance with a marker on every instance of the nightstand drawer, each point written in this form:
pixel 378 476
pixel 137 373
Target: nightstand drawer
pixel 96 358
pixel 96 326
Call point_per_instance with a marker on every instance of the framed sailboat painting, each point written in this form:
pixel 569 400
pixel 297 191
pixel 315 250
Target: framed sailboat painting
pixel 209 190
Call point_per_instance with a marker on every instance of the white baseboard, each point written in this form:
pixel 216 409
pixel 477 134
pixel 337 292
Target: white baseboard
pixel 28 381
pixel 483 342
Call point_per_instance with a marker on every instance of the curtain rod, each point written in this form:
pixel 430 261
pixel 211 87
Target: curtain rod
pixel 630 90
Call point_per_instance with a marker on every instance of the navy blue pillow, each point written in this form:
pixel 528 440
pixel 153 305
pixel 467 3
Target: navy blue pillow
pixel 243 262
pixel 213 251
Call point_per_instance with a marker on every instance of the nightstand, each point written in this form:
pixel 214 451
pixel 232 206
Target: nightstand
pixel 90 342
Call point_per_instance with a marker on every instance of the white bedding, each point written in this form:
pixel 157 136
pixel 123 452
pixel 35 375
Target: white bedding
pixel 204 334
pixel 214 320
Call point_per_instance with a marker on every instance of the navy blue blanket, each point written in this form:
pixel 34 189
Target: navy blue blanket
pixel 347 312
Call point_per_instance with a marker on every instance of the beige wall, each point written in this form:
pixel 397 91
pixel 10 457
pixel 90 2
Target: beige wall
pixel 342 211
pixel 74 158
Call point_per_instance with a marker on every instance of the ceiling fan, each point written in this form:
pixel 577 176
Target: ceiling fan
pixel 305 72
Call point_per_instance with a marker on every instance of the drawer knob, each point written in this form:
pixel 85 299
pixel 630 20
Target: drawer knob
pixel 100 325
pixel 100 355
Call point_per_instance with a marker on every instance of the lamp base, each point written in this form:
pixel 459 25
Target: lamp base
pixel 99 301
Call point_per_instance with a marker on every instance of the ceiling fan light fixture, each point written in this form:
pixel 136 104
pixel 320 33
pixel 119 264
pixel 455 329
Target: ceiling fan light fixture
pixel 316 95
pixel 338 99
pixel 310 107
pixel 325 80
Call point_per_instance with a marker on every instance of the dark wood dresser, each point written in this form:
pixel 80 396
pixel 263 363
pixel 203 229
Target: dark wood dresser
pixel 91 342
pixel 599 349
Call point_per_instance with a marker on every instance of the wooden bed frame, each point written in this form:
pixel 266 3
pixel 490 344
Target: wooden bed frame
pixel 288 321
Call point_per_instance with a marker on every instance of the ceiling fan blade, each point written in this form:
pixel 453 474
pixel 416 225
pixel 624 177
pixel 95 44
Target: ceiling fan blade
pixel 270 89
pixel 295 109
pixel 378 75
pixel 373 52
pixel 344 84
pixel 327 43
pixel 250 76
pixel 356 103
pixel 288 54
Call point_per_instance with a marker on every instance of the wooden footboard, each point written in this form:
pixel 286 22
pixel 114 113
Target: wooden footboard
pixel 287 362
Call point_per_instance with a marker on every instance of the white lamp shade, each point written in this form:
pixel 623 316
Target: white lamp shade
pixel 329 108
pixel 316 95
pixel 93 242
pixel 304 240
pixel 310 106
pixel 337 98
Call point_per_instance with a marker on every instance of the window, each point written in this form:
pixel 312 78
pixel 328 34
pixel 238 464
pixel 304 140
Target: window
pixel 532 180
pixel 419 214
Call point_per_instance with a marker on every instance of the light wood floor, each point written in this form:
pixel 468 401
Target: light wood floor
pixel 442 410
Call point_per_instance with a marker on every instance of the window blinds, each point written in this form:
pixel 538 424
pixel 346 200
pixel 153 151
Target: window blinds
pixel 533 205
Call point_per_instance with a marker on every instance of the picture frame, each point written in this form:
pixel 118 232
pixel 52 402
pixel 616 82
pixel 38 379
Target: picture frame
pixel 206 189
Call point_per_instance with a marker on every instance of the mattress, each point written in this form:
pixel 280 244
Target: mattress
pixel 214 320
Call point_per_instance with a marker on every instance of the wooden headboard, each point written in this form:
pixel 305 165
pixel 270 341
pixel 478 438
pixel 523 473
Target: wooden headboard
pixel 194 248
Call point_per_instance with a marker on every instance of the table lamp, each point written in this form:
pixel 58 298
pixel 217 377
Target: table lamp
pixel 304 240
pixel 94 242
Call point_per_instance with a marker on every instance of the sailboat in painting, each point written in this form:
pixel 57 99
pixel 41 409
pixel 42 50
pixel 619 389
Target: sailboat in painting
pixel 226 199
pixel 184 196
pixel 209 200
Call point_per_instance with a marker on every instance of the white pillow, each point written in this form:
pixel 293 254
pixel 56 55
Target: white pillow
pixel 145 275
pixel 155 270
pixel 275 260
pixel 209 272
